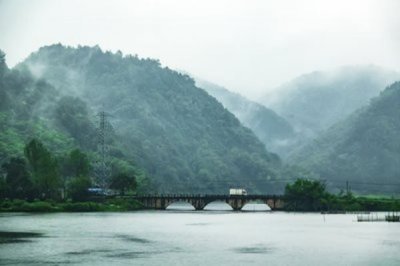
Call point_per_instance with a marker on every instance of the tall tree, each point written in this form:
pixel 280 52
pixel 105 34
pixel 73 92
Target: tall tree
pixel 17 178
pixel 78 163
pixel 123 182
pixel 305 195
pixel 44 169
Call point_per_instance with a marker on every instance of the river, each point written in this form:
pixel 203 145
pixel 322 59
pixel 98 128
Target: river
pixel 177 237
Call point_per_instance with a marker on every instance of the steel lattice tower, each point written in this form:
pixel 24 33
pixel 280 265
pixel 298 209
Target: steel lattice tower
pixel 102 165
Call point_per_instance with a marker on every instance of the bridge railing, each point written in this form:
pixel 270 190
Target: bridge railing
pixel 206 196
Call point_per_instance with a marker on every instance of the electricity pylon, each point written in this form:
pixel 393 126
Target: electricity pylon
pixel 102 165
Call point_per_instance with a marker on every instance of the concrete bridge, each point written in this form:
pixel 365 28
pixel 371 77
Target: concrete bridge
pixel 161 202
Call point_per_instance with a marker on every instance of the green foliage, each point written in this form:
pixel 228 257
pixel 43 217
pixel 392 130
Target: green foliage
pixel 44 169
pixel 78 163
pixel 4 191
pixel 305 195
pixel 17 180
pixel 25 206
pixel 82 207
pixel 50 206
pixel 78 188
pixel 123 182
pixel 72 116
pixel 310 195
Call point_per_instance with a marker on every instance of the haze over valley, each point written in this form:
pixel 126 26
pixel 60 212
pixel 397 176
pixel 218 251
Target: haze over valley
pixel 186 132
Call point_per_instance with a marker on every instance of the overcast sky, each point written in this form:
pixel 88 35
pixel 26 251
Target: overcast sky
pixel 247 46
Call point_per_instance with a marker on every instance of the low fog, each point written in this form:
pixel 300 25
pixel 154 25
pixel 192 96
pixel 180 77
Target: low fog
pixel 250 48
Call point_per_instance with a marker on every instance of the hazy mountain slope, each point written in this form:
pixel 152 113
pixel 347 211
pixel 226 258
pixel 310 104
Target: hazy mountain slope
pixel 31 107
pixel 24 105
pixel 364 149
pixel 314 102
pixel 274 131
pixel 184 139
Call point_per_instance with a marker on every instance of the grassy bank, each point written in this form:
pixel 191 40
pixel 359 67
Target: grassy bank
pixel 109 205
pixel 352 203
pixel 348 203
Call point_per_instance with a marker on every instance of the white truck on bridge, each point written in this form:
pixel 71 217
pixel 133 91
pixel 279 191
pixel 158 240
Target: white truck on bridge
pixel 237 191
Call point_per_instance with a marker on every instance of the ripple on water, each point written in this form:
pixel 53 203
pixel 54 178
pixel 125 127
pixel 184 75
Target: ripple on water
pixel 254 250
pixel 131 238
pixel 33 262
pixel 7 237
pixel 198 224
pixel 130 254
pixel 88 251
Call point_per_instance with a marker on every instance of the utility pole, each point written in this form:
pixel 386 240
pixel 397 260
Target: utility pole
pixel 102 166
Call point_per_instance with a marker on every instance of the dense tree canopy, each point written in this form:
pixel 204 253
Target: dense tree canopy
pixel 44 169
pixel 305 195
pixel 18 179
pixel 123 182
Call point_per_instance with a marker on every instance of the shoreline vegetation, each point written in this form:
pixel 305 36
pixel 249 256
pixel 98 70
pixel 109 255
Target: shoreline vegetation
pixel 336 205
pixel 108 205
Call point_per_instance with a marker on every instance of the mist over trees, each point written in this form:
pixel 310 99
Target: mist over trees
pixel 364 149
pixel 314 102
pixel 170 136
pixel 173 135
pixel 273 130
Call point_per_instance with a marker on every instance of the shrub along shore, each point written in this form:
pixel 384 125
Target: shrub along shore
pixel 306 195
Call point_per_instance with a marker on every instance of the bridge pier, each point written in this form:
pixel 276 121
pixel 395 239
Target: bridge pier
pixel 236 203
pixel 198 204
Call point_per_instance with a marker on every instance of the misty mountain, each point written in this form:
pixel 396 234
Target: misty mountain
pixel 314 102
pixel 363 149
pixel 273 130
pixel 182 138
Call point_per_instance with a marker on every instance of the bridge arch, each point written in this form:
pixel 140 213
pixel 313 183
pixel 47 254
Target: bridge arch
pixel 218 205
pixel 180 204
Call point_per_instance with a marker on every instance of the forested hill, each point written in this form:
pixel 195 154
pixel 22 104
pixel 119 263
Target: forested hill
pixel 315 101
pixel 364 149
pixel 183 138
pixel 273 130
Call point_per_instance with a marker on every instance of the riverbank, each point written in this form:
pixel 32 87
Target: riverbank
pixel 109 205
pixel 350 203
pixel 334 204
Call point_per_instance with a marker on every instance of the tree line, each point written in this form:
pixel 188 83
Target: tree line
pixel 311 196
pixel 39 174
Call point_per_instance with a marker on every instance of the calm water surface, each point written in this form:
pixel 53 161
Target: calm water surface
pixel 178 237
